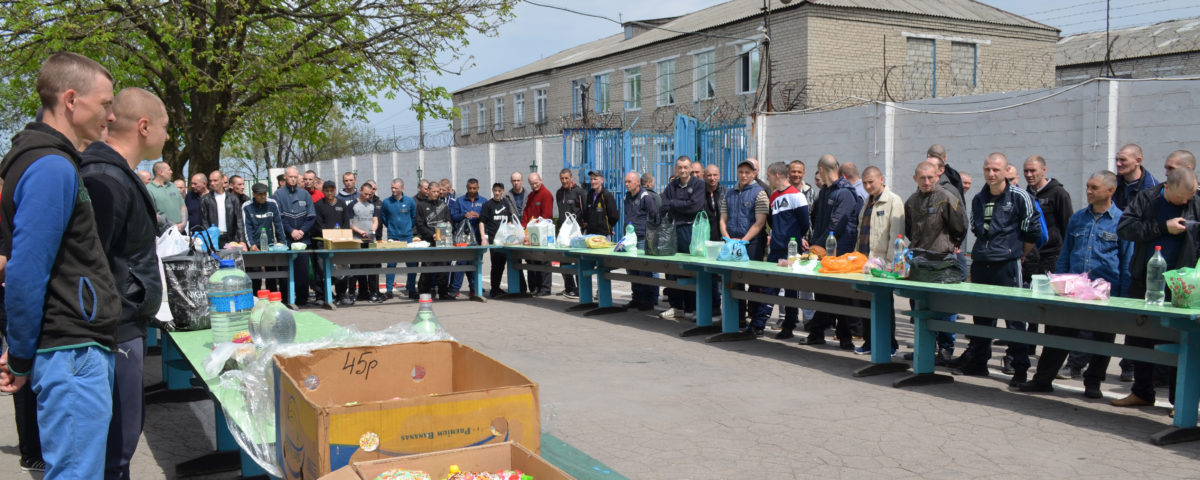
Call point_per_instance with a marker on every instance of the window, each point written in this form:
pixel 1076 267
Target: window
pixel 602 97
pixel 705 85
pixel 920 78
pixel 464 126
pixel 539 105
pixel 964 62
pixel 747 73
pixel 577 98
pixel 518 109
pixel 633 88
pixel 666 82
pixel 481 108
pixel 498 118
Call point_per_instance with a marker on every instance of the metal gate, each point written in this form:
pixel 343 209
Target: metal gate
pixel 685 137
pixel 653 153
pixel 587 149
pixel 725 146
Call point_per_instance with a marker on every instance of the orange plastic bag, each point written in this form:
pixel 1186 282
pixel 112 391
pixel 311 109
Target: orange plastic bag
pixel 849 263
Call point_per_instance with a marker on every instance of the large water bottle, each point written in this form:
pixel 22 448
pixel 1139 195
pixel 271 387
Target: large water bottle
pixel 263 242
pixel 1156 284
pixel 261 300
pixel 230 300
pixel 278 322
pixel 793 251
pixel 426 322
pixel 899 264
pixel 831 245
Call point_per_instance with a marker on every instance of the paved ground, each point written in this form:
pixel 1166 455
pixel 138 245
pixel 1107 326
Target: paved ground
pixel 627 390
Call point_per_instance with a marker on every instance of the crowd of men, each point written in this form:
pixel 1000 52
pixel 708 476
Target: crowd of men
pixel 75 322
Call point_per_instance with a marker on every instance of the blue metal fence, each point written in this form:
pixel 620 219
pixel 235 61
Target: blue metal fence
pixel 725 146
pixel 587 149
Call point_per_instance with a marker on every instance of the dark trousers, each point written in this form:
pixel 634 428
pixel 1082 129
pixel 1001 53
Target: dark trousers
pixel 846 327
pixel 427 281
pixel 499 261
pixel 682 299
pixel 29 442
pixel 539 282
pixel 300 274
pixel 569 283
pixel 367 285
pixel 791 315
pixel 1052 359
pixel 979 349
pixel 752 310
pixel 643 293
pixel 128 414
pixel 317 283
pixel 1144 373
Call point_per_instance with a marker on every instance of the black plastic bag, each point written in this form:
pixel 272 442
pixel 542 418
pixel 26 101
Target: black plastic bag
pixel 660 238
pixel 187 289
pixel 932 267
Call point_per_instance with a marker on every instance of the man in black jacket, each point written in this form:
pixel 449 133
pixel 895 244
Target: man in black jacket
pixel 569 199
pixel 495 211
pixel 1056 210
pixel 948 177
pixel 1166 216
pixel 683 198
pixel 601 214
pixel 331 213
pixel 221 208
pixel 126 223
pixel 431 210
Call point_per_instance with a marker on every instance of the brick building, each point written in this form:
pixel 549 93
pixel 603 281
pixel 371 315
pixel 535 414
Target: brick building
pixel 713 64
pixel 1166 49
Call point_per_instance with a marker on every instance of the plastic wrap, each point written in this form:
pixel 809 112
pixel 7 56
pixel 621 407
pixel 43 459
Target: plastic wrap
pixel 249 403
pixel 1078 286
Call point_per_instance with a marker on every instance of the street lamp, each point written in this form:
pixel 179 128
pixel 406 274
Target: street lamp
pixel 533 166
pixel 420 174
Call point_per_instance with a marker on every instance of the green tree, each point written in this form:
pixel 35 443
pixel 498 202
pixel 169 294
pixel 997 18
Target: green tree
pixel 219 63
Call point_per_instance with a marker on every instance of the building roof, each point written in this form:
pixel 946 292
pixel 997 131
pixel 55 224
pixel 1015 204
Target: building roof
pixel 1164 38
pixel 737 10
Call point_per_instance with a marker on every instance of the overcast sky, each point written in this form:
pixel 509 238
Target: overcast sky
pixel 537 32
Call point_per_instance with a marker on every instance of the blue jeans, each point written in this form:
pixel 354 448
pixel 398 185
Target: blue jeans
pixel 456 279
pixel 791 315
pixel 410 284
pixel 74 395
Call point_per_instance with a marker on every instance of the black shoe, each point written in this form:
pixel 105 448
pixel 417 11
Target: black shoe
pixel 1035 387
pixel 846 344
pixel 413 296
pixel 1006 366
pixel 1126 375
pixel 570 294
pixel 1092 391
pixel 32 465
pixel 347 302
pixel 389 295
pixel 970 371
pixel 784 334
pixel 375 299
pixel 811 340
pixel 1018 378
pixel 909 356
pixel 446 296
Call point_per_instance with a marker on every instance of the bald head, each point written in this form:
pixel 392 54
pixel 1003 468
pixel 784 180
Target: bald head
pixel 1180 159
pixel 633 182
pixel 133 104
pixel 939 152
pixel 850 171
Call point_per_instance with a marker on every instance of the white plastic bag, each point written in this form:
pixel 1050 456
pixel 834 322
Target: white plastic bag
pixel 570 229
pixel 510 233
pixel 171 243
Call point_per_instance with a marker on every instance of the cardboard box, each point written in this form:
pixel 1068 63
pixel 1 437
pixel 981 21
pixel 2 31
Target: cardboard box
pixel 486 458
pixel 394 400
pixel 336 234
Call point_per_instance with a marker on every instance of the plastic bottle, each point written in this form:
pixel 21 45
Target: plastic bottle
pixel 230 300
pixel 262 300
pixel 831 245
pixel 263 242
pixel 426 322
pixel 278 322
pixel 629 230
pixel 899 264
pixel 1156 284
pixel 793 251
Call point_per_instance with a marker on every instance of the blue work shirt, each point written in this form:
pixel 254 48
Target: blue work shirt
pixel 1091 246
pixel 459 208
pixel 399 214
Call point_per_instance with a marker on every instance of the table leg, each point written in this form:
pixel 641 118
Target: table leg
pixel 924 348
pixel 291 300
pixel 327 259
pixel 584 269
pixel 478 273
pixel 603 290
pixel 514 282
pixel 704 323
pixel 1187 393
pixel 882 326
pixel 730 323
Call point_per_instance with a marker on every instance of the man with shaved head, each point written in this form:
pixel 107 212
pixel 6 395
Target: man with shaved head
pixel 126 222
pixel 197 189
pixel 298 213
pixel 221 209
pixel 935 222
pixel 168 199
pixel 539 204
pixel 1133 178
pixel 1006 227
pixel 1180 159
pixel 948 177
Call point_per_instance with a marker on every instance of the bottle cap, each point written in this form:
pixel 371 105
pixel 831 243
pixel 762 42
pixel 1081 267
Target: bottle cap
pixel 1157 248
pixel 228 263
pixel 426 298
pixel 276 297
pixel 263 294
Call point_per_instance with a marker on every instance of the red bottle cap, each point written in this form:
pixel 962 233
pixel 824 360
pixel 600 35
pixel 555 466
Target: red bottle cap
pixel 263 294
pixel 276 297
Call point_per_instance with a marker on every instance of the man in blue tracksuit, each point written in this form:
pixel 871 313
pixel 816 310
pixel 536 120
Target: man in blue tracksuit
pixel 683 198
pixel 641 209
pixel 836 211
pixel 789 220
pixel 62 303
pixel 298 214
pixel 466 209
pixel 399 214
pixel 1006 227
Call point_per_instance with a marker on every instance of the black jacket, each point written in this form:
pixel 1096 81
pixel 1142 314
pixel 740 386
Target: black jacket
pixel 330 216
pixel 1139 225
pixel 951 180
pixel 569 200
pixel 683 201
pixel 1056 206
pixel 126 224
pixel 233 213
pixel 601 213
pixel 712 207
pixel 80 301
pixel 429 213
pixel 837 211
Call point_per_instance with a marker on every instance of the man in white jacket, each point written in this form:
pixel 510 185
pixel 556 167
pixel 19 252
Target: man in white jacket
pixel 879 222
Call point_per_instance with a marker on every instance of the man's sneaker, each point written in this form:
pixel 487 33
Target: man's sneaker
pixel 863 350
pixel 1126 375
pixel 1006 366
pixel 784 334
pixel 688 317
pixel 1067 373
pixel 1018 378
pixel 669 314
pixel 570 294
pixel 1035 387
pixel 1092 391
pixel 29 465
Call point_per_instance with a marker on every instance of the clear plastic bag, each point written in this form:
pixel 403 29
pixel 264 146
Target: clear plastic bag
pixel 568 231
pixel 510 233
